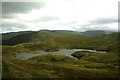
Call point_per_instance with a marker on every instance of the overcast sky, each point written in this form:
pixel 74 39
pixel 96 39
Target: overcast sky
pixel 79 15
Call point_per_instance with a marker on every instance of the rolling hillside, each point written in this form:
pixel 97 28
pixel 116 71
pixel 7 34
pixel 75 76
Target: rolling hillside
pixel 94 32
pixel 87 64
pixel 64 39
pixel 21 37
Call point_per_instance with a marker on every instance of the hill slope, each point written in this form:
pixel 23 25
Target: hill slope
pixel 22 37
pixel 55 39
pixel 94 32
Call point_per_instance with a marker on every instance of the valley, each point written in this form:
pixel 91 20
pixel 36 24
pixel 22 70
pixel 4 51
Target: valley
pixel 59 54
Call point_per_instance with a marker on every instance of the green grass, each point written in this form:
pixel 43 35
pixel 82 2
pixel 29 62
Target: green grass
pixel 57 66
pixel 88 64
pixel 31 69
pixel 52 58
pixel 51 40
pixel 107 58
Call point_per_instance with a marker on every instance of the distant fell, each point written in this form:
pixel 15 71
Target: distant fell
pixel 94 32
pixel 13 38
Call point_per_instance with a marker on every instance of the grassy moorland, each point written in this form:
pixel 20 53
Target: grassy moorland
pixel 87 64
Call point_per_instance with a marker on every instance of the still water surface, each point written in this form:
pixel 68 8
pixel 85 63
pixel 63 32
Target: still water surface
pixel 66 52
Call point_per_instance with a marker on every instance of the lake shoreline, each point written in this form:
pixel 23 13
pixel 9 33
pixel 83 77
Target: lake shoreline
pixel 66 52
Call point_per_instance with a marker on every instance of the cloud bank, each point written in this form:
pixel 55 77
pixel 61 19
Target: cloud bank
pixel 79 15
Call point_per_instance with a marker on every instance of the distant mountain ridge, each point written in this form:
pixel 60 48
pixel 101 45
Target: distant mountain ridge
pixel 26 36
pixel 94 32
pixel 13 34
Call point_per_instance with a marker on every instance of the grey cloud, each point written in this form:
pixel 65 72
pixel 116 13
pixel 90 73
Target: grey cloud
pixel 7 16
pixel 11 26
pixel 68 23
pixel 45 18
pixel 21 0
pixel 9 29
pixel 9 8
pixel 104 20
pixel 49 18
pixel 96 24
pixel 97 27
